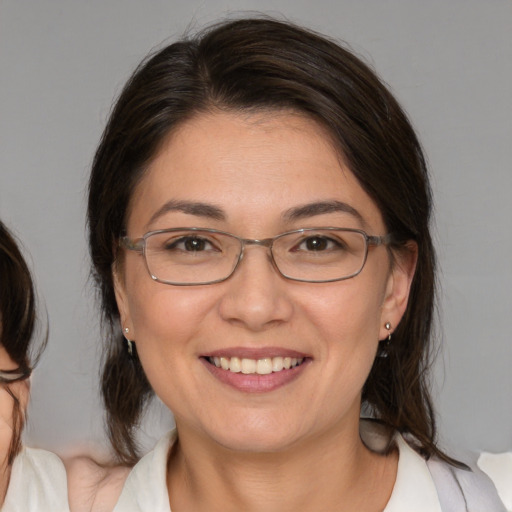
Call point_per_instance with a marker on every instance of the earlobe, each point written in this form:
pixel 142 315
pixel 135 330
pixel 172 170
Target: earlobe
pixel 122 304
pixel 398 288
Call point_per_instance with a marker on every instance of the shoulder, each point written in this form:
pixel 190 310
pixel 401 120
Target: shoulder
pixel 472 486
pixel 40 463
pixel 93 487
pixel 498 466
pixel 452 488
pixel 96 487
pixel 38 482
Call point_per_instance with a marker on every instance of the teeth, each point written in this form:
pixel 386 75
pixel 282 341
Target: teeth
pixel 249 366
pixel 263 366
pixel 277 364
pixel 235 365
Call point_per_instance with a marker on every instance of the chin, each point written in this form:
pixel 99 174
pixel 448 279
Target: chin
pixel 263 437
pixel 262 445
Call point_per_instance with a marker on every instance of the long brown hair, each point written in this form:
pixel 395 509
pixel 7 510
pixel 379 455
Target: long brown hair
pixel 18 322
pixel 253 64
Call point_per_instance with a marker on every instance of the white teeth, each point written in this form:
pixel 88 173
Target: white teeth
pixel 235 365
pixel 263 366
pixel 249 366
pixel 277 364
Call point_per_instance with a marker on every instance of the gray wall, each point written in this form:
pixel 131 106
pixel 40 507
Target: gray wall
pixel 448 61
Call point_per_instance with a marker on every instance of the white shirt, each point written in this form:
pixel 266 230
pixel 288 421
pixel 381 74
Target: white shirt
pixel 38 483
pixel 145 489
pixel 499 467
pixel 414 488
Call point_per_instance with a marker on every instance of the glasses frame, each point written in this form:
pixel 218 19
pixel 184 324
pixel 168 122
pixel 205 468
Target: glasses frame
pixel 139 245
pixel 16 375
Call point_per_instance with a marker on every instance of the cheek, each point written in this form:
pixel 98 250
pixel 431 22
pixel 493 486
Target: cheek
pixel 348 311
pixel 165 317
pixel 166 320
pixel 347 318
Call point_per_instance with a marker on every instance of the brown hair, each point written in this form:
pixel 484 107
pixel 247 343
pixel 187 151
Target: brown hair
pixel 267 64
pixel 17 325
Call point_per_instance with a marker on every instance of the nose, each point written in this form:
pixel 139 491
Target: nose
pixel 256 295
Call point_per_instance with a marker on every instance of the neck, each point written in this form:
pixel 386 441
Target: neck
pixel 334 471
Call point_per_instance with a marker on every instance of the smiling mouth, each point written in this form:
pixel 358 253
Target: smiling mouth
pixel 264 366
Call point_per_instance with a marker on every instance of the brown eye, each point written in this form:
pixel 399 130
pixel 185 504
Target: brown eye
pixel 194 244
pixel 316 244
pixel 189 244
pixel 319 244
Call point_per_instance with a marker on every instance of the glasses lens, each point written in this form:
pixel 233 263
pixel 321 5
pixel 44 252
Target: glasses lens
pixel 191 256
pixel 320 254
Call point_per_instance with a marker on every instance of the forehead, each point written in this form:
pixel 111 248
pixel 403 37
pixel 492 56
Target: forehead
pixel 250 165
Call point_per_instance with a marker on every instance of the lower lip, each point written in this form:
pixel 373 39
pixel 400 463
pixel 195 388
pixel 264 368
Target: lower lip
pixel 254 383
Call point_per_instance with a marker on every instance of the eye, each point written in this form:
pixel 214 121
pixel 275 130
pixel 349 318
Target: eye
pixel 317 243
pixel 190 244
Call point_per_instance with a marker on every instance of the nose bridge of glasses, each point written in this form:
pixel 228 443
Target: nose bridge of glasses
pixel 264 242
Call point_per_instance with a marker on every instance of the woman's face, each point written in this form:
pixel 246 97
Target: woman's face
pixel 246 174
pixel 20 390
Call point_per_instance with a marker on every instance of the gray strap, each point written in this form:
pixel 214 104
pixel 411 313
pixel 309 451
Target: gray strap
pixel 461 490
pixel 449 491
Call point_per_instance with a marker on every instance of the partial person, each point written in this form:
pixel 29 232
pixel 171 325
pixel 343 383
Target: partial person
pixel 31 480
pixel 258 213
pixel 499 468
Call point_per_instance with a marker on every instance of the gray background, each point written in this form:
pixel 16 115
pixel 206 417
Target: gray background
pixel 448 61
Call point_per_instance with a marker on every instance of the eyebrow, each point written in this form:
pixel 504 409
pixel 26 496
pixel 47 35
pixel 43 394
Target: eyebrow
pixel 211 211
pixel 320 208
pixel 198 209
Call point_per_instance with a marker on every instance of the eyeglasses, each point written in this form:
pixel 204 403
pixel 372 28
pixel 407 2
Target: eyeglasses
pixel 10 376
pixel 197 256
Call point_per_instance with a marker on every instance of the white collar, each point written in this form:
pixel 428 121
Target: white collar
pixel 414 489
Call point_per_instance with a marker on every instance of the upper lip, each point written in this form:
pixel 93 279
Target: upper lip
pixel 255 353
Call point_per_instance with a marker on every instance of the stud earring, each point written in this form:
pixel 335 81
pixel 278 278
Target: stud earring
pixel 387 325
pixel 384 344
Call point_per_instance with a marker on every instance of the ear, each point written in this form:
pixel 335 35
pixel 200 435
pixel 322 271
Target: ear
pixel 398 288
pixel 122 302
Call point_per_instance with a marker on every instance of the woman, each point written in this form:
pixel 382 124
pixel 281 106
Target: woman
pixel 259 212
pixel 31 480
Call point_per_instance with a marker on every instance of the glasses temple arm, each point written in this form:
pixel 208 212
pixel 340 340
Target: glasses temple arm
pixel 132 245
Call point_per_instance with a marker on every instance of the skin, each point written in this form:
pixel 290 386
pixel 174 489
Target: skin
pixel 257 451
pixel 21 391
